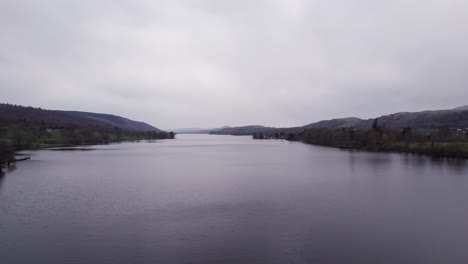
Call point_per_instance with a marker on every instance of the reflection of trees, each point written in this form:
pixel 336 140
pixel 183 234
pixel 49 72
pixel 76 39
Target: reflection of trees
pixel 7 151
pixel 4 171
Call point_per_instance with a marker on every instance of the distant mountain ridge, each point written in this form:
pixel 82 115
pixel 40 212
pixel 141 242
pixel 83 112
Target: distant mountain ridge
pixel 196 130
pixel 431 119
pixel 243 130
pixel 463 107
pixel 336 123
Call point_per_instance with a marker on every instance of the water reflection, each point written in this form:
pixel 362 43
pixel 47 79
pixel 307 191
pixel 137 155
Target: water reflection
pixel 8 169
pixel 455 166
pixel 4 171
pixel 377 161
pixel 381 161
pixel 2 175
pixel 221 199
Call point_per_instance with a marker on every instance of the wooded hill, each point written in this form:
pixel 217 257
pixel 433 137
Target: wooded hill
pixel 452 118
pixel 116 121
pixel 29 128
pixel 442 133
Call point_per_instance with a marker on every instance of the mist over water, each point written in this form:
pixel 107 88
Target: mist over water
pixel 224 199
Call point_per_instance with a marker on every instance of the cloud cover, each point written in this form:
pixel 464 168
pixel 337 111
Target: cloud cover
pixel 213 63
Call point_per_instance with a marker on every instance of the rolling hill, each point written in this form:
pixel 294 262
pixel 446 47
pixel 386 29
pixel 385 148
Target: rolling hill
pixel 56 119
pixel 433 119
pixel 117 121
pixel 33 128
pixel 336 123
pixel 454 118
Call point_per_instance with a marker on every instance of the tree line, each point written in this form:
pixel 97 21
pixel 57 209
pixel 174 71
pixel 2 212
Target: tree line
pixel 14 138
pixel 34 137
pixel 442 142
pixel 7 152
pixel 33 128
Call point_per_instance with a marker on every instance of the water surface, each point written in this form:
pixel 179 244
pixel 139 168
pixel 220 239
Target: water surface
pixel 224 199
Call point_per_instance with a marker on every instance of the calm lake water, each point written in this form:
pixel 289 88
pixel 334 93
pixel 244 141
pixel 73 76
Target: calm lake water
pixel 224 199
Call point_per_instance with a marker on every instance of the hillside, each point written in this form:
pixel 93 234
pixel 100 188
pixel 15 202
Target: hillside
pixel 28 127
pixel 440 133
pixel 15 114
pixel 452 118
pixel 336 123
pixel 464 107
pixel 20 115
pixel 435 119
pixel 116 121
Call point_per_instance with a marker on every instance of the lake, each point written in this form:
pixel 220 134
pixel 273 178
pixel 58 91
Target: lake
pixel 225 199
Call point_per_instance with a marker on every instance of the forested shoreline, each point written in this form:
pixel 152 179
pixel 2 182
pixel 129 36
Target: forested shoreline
pixel 442 142
pixel 35 128
pixel 13 139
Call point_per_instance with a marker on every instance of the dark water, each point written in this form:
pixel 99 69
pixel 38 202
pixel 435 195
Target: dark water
pixel 222 199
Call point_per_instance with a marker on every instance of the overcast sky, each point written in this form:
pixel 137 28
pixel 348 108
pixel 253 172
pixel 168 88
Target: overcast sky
pixel 213 63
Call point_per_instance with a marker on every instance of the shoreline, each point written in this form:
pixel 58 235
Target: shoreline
pixel 462 156
pixel 60 147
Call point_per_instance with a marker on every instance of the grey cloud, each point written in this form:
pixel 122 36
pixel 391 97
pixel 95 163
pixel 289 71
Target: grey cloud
pixel 213 63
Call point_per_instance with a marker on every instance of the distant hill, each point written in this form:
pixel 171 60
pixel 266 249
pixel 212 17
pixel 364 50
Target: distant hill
pixel 240 131
pixel 118 121
pixel 464 107
pixel 456 117
pixel 336 123
pixel 451 118
pixel 250 130
pixel 196 130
